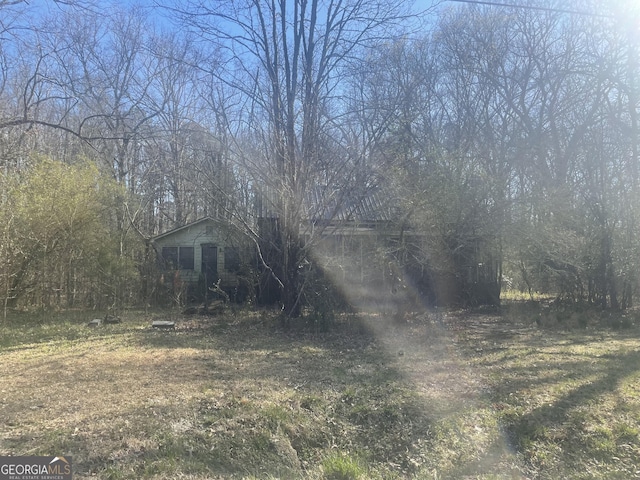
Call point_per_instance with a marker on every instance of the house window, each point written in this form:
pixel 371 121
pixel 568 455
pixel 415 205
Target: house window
pixel 231 259
pixel 186 258
pixel 170 256
pixel 178 257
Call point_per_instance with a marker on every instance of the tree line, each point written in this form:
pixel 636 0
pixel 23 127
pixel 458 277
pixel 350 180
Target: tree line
pixel 506 137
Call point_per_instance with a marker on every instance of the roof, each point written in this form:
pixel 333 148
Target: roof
pixel 184 227
pixel 362 203
pixel 359 205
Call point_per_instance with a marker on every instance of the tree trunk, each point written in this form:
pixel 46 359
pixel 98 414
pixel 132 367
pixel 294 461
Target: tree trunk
pixel 292 284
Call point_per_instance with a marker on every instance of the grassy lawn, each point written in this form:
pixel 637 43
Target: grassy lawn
pixel 486 396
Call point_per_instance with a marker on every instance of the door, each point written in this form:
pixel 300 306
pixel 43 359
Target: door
pixel 209 264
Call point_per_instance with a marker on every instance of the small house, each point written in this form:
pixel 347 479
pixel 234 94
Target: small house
pixel 205 253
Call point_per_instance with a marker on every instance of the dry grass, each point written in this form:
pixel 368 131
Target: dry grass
pixel 235 397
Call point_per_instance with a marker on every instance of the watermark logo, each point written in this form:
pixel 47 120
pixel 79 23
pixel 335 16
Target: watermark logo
pixel 35 468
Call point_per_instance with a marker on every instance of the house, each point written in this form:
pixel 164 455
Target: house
pixel 370 247
pixel 204 253
pixel 360 242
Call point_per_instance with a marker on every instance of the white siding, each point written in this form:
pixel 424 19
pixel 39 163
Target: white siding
pixel 196 235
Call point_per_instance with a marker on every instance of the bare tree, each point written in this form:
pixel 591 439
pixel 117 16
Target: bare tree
pixel 172 94
pixel 30 69
pixel 560 123
pixel 287 59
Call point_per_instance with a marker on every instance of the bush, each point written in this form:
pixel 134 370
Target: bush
pixel 342 467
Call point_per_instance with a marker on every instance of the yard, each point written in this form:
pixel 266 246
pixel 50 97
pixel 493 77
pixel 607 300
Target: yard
pixel 478 396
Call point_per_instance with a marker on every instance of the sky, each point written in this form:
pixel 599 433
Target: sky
pixel 626 12
pixel 607 6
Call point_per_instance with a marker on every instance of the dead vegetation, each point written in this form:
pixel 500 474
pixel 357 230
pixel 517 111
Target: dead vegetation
pixel 463 396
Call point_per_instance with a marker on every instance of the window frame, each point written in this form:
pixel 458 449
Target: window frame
pixel 186 258
pixel 179 257
pixel 170 256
